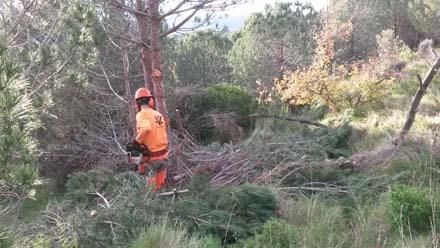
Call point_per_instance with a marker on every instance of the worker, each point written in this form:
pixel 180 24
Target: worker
pixel 152 137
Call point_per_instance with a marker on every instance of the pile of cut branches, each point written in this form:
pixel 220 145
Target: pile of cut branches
pixel 264 157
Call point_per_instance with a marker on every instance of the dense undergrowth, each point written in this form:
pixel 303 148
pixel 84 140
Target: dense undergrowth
pixel 393 204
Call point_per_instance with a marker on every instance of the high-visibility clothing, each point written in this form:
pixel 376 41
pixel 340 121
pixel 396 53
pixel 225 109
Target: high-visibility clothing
pixel 152 132
pixel 158 180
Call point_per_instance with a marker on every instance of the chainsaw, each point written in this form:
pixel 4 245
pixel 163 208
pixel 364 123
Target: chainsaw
pixel 135 154
pixel 134 157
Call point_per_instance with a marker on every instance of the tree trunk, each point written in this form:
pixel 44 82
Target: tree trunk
pixel 416 102
pixel 145 49
pixel 156 58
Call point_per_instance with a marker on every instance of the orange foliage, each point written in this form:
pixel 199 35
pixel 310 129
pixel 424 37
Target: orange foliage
pixel 338 85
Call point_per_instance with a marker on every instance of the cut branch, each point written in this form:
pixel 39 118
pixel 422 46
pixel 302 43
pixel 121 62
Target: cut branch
pixel 173 193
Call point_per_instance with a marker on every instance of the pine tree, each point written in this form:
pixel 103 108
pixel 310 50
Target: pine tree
pixel 17 122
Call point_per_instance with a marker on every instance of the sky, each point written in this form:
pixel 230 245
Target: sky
pixel 236 16
pixel 244 10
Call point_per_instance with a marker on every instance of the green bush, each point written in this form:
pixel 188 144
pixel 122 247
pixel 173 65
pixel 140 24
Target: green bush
pixel 221 216
pixel 318 110
pixel 412 209
pixel 275 234
pixel 333 143
pixel 230 98
pixel 195 109
pixel 81 184
pixel 230 213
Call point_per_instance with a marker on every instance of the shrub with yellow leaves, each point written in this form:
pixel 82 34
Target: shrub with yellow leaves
pixel 340 85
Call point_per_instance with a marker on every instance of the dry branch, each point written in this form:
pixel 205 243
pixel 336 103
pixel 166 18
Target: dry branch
pixel 261 159
pixel 8 199
pixel 173 193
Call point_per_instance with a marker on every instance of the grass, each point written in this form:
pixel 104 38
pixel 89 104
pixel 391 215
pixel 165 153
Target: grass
pixel 162 235
pixel 39 197
pixel 276 234
pixel 320 223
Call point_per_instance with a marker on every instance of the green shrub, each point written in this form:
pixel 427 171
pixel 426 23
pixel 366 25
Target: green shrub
pixel 318 110
pixel 221 216
pixel 81 184
pixel 333 143
pixel 230 213
pixel 412 209
pixel 195 110
pixel 275 234
pixel 227 97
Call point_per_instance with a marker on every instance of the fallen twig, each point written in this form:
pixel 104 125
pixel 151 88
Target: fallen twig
pixel 173 193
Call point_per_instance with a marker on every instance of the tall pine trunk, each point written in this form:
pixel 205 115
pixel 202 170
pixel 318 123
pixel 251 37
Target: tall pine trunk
pixel 156 57
pixel 145 47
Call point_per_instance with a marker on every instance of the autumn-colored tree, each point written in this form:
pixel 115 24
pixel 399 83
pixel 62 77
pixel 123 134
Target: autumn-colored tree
pixel 340 84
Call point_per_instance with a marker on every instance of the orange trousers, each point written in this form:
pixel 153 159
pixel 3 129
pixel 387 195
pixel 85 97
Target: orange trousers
pixel 159 168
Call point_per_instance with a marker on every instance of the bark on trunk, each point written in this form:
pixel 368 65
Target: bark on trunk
pixel 156 58
pixel 424 84
pixel 145 50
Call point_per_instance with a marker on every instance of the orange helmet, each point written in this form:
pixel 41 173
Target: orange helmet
pixel 141 93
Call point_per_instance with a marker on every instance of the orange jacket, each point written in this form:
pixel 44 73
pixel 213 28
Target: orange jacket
pixel 152 131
